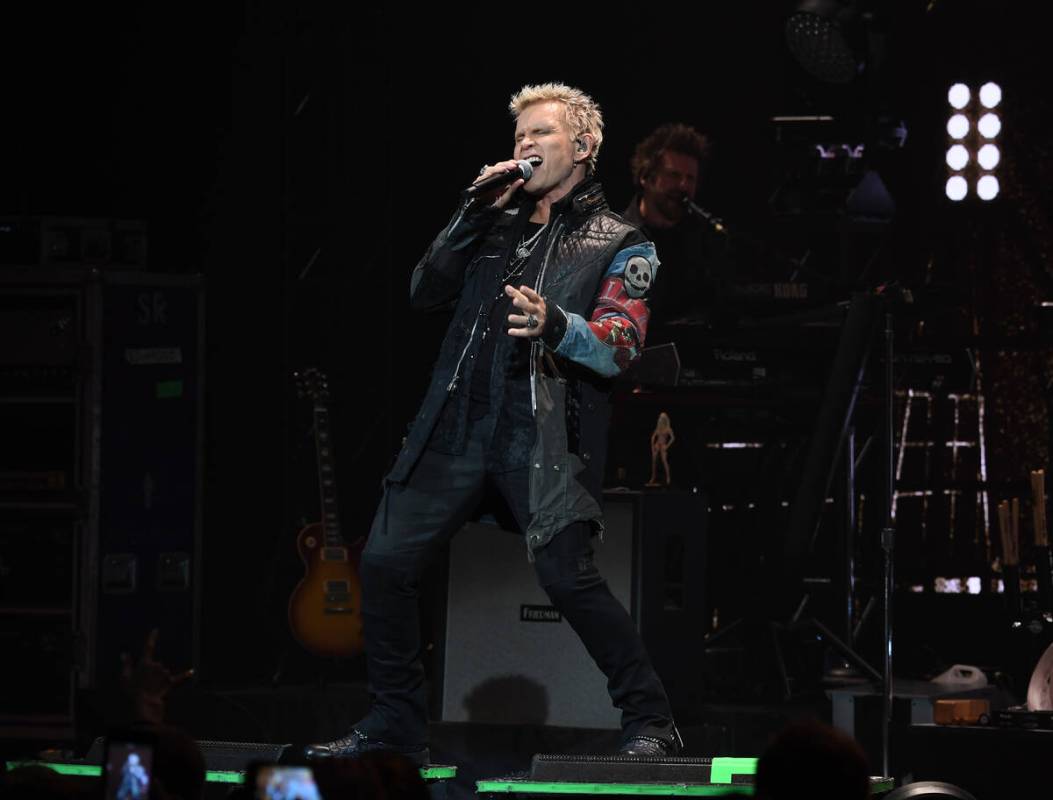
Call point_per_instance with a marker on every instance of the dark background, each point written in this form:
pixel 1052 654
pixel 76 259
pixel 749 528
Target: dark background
pixel 301 156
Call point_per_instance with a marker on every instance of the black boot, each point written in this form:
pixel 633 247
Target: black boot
pixel 356 743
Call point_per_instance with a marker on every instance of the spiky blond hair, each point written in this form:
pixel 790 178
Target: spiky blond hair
pixel 582 113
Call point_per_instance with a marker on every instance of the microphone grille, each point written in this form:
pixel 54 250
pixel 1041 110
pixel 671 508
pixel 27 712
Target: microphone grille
pixel 526 168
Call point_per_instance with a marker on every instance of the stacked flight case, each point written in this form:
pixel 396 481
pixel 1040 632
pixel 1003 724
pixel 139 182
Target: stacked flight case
pixel 100 483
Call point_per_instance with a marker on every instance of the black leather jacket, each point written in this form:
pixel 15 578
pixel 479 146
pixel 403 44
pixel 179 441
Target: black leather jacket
pixel 571 364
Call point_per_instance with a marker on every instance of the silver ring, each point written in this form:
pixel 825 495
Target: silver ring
pixel 484 168
pixel 532 321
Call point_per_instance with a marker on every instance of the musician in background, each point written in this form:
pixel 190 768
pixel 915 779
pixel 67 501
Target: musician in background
pixel 665 170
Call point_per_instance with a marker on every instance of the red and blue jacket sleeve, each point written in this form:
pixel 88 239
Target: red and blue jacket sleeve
pixel 614 334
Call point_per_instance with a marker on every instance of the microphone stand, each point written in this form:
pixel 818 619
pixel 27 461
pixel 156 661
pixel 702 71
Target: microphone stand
pixel 888 545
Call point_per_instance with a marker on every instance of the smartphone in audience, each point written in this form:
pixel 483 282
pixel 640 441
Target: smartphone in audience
pixel 127 766
pixel 268 781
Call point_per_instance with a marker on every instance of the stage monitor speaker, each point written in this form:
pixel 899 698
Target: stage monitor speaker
pixel 219 756
pixel 509 657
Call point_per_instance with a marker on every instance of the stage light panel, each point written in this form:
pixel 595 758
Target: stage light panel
pixel 971 127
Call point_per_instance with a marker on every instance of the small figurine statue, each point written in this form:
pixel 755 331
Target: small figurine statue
pixel 661 440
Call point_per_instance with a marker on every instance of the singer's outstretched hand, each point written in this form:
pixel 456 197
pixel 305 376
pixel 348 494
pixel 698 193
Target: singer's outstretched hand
pixel 502 199
pixel 533 308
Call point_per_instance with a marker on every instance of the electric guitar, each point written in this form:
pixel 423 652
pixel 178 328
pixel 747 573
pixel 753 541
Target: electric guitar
pixel 325 607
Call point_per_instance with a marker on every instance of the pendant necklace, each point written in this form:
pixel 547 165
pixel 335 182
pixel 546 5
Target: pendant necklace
pixel 525 248
pixel 522 253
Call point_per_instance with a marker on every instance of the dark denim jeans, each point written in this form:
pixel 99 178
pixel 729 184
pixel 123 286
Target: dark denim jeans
pixel 413 522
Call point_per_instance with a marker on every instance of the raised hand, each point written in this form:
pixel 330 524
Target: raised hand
pixel 147 681
pixel 531 322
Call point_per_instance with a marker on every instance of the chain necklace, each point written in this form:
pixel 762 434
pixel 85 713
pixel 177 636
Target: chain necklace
pixel 522 253
pixel 515 266
pixel 526 247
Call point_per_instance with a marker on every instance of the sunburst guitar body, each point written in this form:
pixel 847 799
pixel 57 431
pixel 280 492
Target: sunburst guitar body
pixel 325 608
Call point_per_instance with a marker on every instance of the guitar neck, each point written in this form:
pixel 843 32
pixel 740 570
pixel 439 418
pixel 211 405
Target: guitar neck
pixel 327 477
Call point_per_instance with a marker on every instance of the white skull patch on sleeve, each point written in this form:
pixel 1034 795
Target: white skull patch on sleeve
pixel 637 276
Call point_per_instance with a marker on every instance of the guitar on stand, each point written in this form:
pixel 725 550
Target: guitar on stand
pixel 325 608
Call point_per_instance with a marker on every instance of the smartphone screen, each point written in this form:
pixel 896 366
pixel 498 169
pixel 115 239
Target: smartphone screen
pixel 128 769
pixel 280 782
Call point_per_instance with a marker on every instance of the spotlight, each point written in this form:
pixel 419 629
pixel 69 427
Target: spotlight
pixel 989 125
pixel 819 34
pixel 990 95
pixel 957 188
pixel 958 126
pixel 989 156
pixel 957 156
pixel 987 187
pixel 958 96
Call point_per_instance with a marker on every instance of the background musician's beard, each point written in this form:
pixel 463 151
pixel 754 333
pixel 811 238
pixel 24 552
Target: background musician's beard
pixel 669 205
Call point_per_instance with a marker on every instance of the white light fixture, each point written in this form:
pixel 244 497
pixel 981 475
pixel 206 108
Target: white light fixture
pixel 957 156
pixel 989 125
pixel 973 122
pixel 957 188
pixel 990 95
pixel 989 156
pixel 958 96
pixel 987 187
pixel 958 126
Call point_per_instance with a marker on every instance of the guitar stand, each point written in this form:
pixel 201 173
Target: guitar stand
pixel 757 630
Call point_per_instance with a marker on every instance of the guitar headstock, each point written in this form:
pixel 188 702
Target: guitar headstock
pixel 312 383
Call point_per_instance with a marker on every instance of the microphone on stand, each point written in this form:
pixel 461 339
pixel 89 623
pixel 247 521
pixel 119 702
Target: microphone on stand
pixel 695 209
pixel 524 169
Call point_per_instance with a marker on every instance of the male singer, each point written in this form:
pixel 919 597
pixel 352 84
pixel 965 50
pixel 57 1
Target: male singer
pixel 549 288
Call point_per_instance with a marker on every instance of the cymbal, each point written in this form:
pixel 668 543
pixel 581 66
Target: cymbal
pixel 1040 687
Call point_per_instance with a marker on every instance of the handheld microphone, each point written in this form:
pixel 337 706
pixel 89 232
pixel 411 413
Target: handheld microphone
pixel 524 169
pixel 713 221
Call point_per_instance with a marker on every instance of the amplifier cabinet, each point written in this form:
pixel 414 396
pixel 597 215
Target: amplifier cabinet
pixel 509 657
